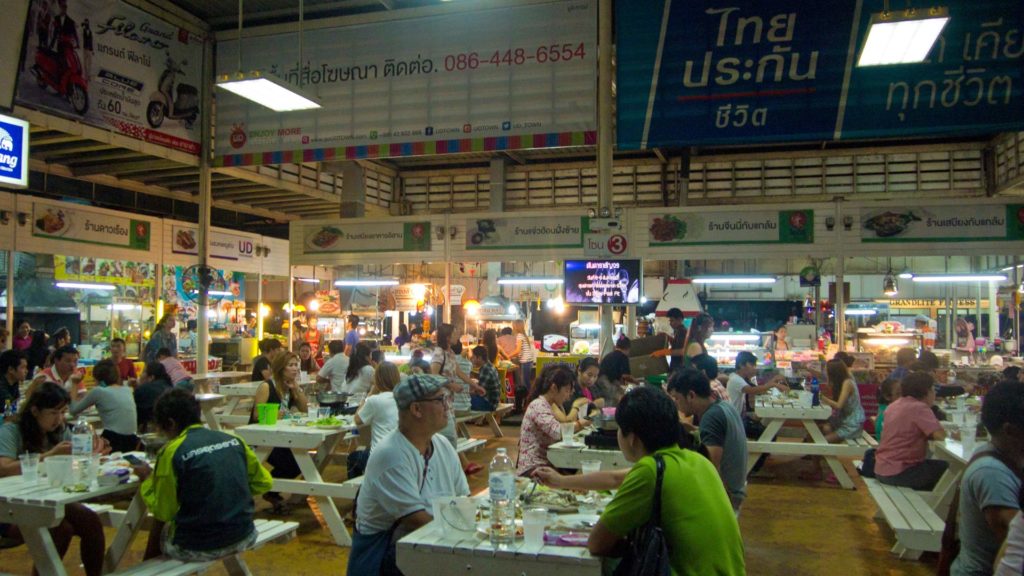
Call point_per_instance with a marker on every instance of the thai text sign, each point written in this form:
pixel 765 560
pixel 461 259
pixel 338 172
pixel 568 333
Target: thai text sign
pixel 526 233
pixel 345 237
pixel 185 240
pixel 60 222
pixel 747 71
pixel 14 135
pixel 111 65
pixel 489 79
pixel 943 223
pixel 747 227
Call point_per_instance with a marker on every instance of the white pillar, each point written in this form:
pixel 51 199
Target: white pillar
pixel 605 141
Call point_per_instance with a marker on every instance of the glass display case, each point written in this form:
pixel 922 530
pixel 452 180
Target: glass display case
pixel 724 346
pixel 884 345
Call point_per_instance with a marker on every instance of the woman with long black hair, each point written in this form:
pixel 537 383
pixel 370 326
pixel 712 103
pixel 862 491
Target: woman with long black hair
pixel 359 375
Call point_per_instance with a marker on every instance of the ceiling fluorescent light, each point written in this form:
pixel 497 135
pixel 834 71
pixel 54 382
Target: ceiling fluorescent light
pixel 904 37
pixel 526 281
pixel 734 337
pixel 268 91
pixel 906 274
pixel 308 280
pixel 734 280
pixel 367 282
pixel 961 278
pixel 122 307
pixel 860 312
pixel 84 286
pixel 219 293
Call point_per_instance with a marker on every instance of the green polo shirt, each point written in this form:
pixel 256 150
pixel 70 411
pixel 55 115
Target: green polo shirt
pixel 700 526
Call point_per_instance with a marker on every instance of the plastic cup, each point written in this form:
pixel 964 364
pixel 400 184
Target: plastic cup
pixel 459 513
pixel 323 411
pixel 967 438
pixel 312 410
pixel 961 404
pixel 266 414
pixel 59 470
pixel 590 466
pixel 806 398
pixel 568 430
pixel 534 522
pixel 29 467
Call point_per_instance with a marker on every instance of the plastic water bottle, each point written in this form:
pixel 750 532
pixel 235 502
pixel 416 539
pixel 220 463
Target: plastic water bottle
pixel 815 392
pixel 502 485
pixel 81 438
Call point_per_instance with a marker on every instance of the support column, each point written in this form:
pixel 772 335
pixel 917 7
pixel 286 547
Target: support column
pixel 205 201
pixel 10 297
pixel 353 191
pixel 605 142
pixel 498 178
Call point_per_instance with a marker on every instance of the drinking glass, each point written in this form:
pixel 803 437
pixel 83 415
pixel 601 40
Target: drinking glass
pixel 29 467
pixel 323 411
pixel 568 430
pixel 534 522
pixel 312 410
pixel 589 505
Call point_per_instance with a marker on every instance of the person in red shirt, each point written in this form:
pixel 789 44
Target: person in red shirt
pixel 909 425
pixel 125 367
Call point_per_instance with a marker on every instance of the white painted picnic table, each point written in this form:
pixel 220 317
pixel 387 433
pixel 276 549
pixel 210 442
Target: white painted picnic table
pixel 438 550
pixel 35 507
pixel 774 413
pixel 301 439
pixel 237 394
pixel 207 403
pixel 952 451
pixel 570 456
pixel 220 376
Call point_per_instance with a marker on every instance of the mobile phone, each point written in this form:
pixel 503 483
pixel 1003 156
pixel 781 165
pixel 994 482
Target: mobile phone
pixel 134 460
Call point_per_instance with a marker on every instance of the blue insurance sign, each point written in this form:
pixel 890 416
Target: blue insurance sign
pixel 13 152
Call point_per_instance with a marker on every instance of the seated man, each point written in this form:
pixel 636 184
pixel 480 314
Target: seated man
pixel 406 470
pixel 201 492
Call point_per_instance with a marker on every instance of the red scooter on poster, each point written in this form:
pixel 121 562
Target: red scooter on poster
pixel 61 70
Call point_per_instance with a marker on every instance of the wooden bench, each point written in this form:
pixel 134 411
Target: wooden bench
pixel 491 418
pixel 268 531
pixel 918 528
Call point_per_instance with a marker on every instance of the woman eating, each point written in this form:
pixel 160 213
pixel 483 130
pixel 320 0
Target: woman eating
pixel 40 429
pixel 359 375
pixel 282 389
pixel 586 376
pixel 847 420
pixel 541 428
pixel 116 405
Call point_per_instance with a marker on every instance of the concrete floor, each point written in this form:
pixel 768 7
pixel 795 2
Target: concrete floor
pixel 790 527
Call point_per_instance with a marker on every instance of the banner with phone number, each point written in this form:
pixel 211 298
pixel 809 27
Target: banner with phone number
pixel 464 81
pixel 116 67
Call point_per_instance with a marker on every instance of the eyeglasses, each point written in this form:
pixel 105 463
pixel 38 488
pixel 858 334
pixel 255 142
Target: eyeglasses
pixel 446 400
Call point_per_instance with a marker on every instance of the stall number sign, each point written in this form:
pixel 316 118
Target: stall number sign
pixel 13 152
pixel 604 245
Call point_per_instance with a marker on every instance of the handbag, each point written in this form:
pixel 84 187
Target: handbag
pixel 647 548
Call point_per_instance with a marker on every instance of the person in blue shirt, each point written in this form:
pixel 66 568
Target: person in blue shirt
pixel 352 336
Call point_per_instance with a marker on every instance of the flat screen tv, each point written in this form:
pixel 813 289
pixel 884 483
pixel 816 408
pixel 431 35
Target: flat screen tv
pixel 603 282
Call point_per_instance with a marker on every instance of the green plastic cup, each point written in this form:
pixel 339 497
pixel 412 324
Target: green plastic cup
pixel 266 414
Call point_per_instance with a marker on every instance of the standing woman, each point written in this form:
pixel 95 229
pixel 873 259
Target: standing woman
pixel 526 356
pixel 403 337
pixel 359 375
pixel 490 342
pixel 38 352
pixel 692 345
pixel 282 389
pixel 40 429
pixel 162 338
pixel 541 427
pixel 443 363
pixel 60 338
pixel 22 336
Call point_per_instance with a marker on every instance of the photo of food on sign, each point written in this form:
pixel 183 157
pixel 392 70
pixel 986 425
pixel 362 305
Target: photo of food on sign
pixel 185 239
pixel 889 224
pixel 54 222
pixel 323 238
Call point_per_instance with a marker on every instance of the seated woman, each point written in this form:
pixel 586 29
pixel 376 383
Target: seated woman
pixel 282 389
pixel 699 524
pixel 379 411
pixel 39 429
pixel 847 422
pixel 540 427
pixel 116 405
pixel 909 425
pixel 201 491
pixel 586 377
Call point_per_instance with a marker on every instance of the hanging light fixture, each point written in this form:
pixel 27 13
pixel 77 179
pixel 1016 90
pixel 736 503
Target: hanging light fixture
pixel 902 37
pixel 265 89
pixel 889 285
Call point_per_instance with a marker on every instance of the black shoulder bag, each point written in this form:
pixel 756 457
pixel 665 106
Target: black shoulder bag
pixel 647 549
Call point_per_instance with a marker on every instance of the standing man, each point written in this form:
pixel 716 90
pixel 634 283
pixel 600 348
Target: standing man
pixel 721 430
pixel 676 340
pixel 332 374
pixel 352 336
pixel 406 470
pixel 990 488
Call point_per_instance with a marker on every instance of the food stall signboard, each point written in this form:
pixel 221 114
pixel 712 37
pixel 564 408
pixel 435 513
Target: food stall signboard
pixel 345 237
pixel 946 223
pixel 733 227
pixel 526 233
pixel 223 246
pixel 14 136
pixel 457 290
pixel 61 222
pixel 328 302
pixel 466 80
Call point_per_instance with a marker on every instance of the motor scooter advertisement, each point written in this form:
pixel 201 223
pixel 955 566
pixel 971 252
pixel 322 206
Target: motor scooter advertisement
pixel 113 66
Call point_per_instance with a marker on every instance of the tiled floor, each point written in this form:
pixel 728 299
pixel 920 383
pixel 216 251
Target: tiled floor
pixel 790 527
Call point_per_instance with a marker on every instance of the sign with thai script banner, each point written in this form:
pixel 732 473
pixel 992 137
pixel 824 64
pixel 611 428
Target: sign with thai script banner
pixel 496 78
pixel 104 271
pixel 14 136
pixel 943 223
pixel 60 222
pixel 738 227
pixel 345 237
pixel 116 67
pixel 699 72
pixel 185 240
pixel 526 233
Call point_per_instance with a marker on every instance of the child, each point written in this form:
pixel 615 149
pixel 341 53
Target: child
pixel 888 392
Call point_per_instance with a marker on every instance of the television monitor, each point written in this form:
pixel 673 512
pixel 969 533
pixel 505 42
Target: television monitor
pixel 602 282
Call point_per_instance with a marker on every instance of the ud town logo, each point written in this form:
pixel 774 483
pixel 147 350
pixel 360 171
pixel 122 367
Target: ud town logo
pixel 238 137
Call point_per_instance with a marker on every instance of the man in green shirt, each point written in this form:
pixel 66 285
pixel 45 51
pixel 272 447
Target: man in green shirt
pixel 201 492
pixel 701 530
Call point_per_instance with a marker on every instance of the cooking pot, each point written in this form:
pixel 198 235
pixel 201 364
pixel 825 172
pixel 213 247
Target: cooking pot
pixel 607 423
pixel 332 398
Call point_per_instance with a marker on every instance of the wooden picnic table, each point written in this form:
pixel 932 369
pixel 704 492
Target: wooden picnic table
pixel 35 507
pixel 207 403
pixel 774 414
pixel 238 395
pixel 570 456
pixel 301 439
